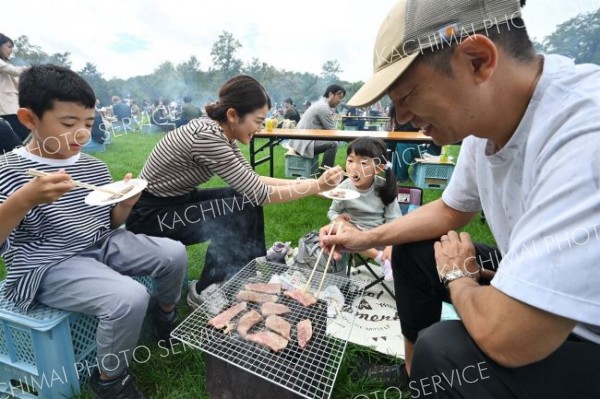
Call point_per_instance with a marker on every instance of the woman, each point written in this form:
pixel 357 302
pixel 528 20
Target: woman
pixel 232 218
pixel 9 88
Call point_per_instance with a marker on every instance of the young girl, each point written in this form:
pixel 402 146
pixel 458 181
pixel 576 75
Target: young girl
pixel 367 158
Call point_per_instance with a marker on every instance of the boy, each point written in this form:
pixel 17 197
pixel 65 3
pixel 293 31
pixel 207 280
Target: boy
pixel 63 253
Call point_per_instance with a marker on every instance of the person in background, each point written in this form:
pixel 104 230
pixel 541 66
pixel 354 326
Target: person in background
pixel 366 161
pixel 66 254
pixel 173 205
pixel 9 88
pixel 188 111
pixel 291 112
pixel 404 154
pixel 120 109
pixel 320 116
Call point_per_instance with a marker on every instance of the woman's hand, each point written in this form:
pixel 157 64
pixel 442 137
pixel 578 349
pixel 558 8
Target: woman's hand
pixel 330 179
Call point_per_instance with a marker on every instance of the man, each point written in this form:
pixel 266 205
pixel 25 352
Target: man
pixel 291 112
pixel 188 111
pixel 320 116
pixel 466 70
pixel 120 109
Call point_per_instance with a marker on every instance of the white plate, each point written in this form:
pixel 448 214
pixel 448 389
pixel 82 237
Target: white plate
pixel 341 194
pixel 99 198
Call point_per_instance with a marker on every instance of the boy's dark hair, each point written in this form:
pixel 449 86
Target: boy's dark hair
pixel 242 93
pixel 41 85
pixel 288 101
pixel 333 89
pixel 511 36
pixel 376 149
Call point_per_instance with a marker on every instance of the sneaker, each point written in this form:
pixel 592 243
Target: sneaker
pixel 123 387
pixel 388 275
pixel 163 323
pixel 278 252
pixel 213 292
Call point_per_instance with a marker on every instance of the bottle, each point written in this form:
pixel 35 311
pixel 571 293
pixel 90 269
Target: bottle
pixel 444 154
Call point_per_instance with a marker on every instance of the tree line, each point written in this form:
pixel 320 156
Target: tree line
pixel 578 38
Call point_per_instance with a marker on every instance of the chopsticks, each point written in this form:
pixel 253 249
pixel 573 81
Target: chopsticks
pixel 329 167
pixel 37 173
pixel 328 262
pixel 326 265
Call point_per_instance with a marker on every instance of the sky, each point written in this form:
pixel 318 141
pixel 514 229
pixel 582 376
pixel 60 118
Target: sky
pixel 125 38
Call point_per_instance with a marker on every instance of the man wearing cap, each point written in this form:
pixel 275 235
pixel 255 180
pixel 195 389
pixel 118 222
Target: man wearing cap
pixel 530 158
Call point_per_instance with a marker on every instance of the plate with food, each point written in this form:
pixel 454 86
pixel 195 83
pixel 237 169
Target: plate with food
pixel 341 194
pixel 115 192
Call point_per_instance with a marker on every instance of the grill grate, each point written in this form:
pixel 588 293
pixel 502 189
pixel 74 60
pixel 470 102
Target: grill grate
pixel 308 372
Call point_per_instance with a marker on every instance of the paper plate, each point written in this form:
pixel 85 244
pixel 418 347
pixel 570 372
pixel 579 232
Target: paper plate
pixel 341 194
pixel 100 198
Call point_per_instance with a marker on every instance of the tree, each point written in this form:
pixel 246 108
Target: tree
pixel 91 74
pixel 223 55
pixel 578 38
pixel 330 71
pixel 26 53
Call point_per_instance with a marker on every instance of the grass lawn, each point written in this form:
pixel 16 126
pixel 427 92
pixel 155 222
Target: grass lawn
pixel 178 372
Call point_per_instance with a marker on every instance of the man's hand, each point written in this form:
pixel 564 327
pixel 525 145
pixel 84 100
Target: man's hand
pixel 350 239
pixel 455 251
pixel 45 189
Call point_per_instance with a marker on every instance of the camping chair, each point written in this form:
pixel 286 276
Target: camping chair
pixel 409 199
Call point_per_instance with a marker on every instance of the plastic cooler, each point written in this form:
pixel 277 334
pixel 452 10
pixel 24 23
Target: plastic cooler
pixel 431 174
pixel 298 166
pixel 45 352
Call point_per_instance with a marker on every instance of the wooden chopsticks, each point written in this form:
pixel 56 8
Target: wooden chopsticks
pixel 329 167
pixel 37 173
pixel 328 262
pixel 326 265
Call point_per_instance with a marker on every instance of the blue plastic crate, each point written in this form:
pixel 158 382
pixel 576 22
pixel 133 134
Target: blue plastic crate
pixel 432 175
pixel 297 166
pixel 44 351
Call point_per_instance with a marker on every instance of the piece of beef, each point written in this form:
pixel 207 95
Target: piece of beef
pixel 269 308
pixel 274 288
pixel 304 331
pixel 269 339
pixel 221 320
pixel 279 325
pixel 247 321
pixel 305 298
pixel 250 296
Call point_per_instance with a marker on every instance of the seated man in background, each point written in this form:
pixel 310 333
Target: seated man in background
pixel 320 116
pixel 120 109
pixel 188 112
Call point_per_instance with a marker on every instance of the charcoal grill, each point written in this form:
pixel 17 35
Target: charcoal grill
pixel 309 372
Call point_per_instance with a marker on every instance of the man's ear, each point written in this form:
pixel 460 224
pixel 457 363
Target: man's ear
pixel 27 118
pixel 481 54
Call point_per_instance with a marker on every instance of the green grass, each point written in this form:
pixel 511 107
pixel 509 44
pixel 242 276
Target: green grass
pixel 178 372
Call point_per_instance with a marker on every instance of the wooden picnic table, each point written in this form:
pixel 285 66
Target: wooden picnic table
pixel 277 135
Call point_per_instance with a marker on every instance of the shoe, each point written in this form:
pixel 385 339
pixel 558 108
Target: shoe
pixel 213 292
pixel 388 275
pixel 163 323
pixel 278 252
pixel 123 387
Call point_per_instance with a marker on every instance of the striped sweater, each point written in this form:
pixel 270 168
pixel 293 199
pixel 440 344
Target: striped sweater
pixel 192 154
pixel 49 233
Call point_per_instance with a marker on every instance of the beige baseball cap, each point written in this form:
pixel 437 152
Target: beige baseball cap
pixel 415 27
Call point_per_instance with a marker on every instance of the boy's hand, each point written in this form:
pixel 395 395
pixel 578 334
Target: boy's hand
pixel 46 189
pixel 130 202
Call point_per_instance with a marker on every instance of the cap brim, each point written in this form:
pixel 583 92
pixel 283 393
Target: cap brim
pixel 376 86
